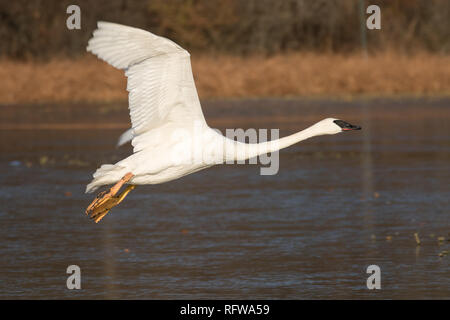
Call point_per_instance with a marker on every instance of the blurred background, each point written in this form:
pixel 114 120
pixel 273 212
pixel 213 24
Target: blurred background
pixel 34 29
pixel 236 46
pixel 337 205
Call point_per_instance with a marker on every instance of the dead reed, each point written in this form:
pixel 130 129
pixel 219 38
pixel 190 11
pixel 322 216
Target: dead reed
pixel 222 76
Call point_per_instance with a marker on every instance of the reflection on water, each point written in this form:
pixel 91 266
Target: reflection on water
pixel 338 204
pixel 366 166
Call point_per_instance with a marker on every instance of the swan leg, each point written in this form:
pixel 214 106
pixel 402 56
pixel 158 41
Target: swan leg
pixel 98 214
pixel 106 200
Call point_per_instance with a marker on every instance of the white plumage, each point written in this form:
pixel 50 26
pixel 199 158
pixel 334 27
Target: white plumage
pixel 168 126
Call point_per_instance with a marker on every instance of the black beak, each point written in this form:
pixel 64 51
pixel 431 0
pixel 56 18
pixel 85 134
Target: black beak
pixel 346 126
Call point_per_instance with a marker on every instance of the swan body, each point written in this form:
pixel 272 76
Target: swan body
pixel 169 134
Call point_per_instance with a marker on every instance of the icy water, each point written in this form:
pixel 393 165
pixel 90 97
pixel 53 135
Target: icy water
pixel 338 204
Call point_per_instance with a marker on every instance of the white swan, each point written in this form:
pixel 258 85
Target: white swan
pixel 166 117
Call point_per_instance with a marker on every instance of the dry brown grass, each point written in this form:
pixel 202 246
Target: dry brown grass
pixel 299 74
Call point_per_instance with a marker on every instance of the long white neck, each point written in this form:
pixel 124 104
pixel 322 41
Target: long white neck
pixel 241 151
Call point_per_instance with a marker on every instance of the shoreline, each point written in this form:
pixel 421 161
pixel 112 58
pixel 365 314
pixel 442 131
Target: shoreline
pixel 221 112
pixel 119 103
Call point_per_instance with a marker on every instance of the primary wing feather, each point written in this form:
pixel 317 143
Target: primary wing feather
pixel 160 82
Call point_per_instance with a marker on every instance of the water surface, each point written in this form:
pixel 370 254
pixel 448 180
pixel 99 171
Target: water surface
pixel 338 204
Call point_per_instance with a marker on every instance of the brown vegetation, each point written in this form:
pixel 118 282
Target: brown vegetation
pixel 248 47
pixel 299 74
pixel 36 29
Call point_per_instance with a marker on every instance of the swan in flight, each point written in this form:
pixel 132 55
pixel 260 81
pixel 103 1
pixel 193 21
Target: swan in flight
pixel 169 133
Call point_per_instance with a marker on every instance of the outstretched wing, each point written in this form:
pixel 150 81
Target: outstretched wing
pixel 160 82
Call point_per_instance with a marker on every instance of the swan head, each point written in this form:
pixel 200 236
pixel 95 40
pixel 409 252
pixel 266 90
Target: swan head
pixel 333 126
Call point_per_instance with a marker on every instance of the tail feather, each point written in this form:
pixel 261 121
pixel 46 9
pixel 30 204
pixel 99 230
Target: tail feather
pixel 105 175
pixel 127 136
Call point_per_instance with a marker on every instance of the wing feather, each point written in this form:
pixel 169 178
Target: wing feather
pixel 160 82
